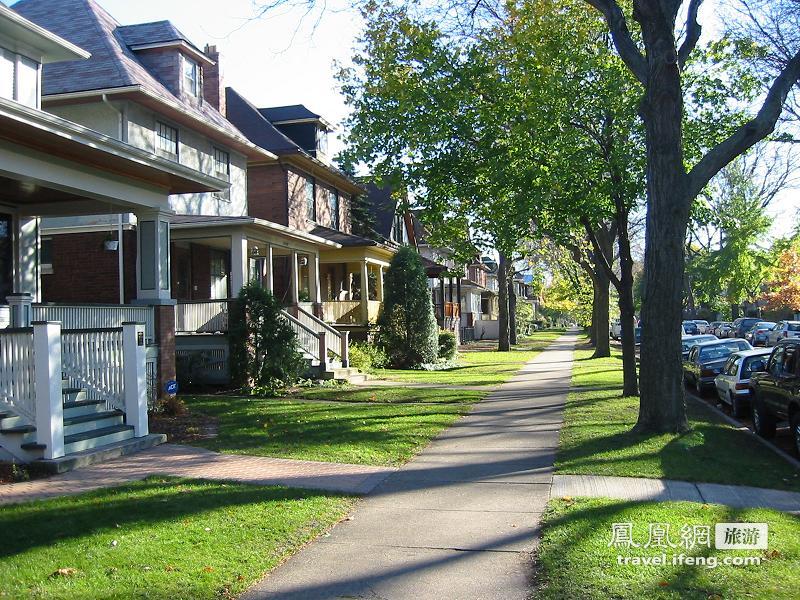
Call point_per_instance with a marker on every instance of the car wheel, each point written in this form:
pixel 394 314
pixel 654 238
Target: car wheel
pixel 763 422
pixel 737 406
pixel 796 432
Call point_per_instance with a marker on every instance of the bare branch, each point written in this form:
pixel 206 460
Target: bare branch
pixel 623 41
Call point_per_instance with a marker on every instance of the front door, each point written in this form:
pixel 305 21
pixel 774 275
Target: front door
pixel 6 257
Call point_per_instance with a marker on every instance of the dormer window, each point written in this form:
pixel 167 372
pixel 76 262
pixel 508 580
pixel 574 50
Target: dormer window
pixel 191 77
pixel 19 78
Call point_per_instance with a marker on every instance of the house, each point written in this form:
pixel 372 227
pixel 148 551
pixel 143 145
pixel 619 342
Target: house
pixel 52 167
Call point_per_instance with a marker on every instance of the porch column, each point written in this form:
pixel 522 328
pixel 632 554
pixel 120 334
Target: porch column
pixel 135 377
pixel 152 259
pixel 365 291
pixel 316 284
pixel 26 256
pixel 294 279
pixel 268 275
pixel 47 386
pixel 379 286
pixel 239 263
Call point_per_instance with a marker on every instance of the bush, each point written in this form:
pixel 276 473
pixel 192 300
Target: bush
pixel 366 357
pixel 264 355
pixel 447 345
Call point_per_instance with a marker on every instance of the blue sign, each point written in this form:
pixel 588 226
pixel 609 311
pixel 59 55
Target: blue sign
pixel 171 387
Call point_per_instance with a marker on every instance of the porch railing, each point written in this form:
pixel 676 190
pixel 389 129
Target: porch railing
pixel 452 309
pixel 17 381
pixel 307 339
pixel 93 359
pixel 5 317
pixel 337 341
pixel 203 316
pixel 344 312
pixel 92 316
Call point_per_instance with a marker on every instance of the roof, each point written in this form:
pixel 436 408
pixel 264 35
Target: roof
pixel 293 112
pixel 51 47
pixel 151 33
pixel 198 221
pixel 342 238
pixel 432 268
pixel 112 64
pixel 383 206
pixel 252 123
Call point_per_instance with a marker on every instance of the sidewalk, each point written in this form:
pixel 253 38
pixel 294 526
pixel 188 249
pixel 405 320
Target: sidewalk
pixel 461 519
pixel 639 489
pixel 198 463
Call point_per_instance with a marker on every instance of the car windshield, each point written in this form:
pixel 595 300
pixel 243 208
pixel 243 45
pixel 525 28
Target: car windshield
pixel 754 364
pixel 764 325
pixel 720 351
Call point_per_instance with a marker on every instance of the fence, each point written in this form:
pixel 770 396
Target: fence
pixel 17 381
pixel 205 316
pixel 92 316
pixel 93 359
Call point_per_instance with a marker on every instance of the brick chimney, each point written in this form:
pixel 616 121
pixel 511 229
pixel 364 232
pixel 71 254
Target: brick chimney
pixel 213 84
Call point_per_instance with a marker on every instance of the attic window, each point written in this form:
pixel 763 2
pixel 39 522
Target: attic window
pixel 191 77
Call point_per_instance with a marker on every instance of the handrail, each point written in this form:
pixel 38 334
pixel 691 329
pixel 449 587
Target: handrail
pixel 335 345
pixel 319 322
pixel 296 321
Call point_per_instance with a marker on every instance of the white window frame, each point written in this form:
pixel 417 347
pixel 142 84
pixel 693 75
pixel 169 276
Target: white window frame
pixel 177 142
pixel 17 59
pixel 191 77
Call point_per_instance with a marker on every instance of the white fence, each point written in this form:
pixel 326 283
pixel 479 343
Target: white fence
pixel 205 316
pixel 17 381
pixel 93 359
pixel 92 316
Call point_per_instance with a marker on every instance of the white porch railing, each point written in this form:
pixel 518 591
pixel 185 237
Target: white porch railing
pixel 337 341
pixel 92 316
pixel 307 338
pixel 93 359
pixel 17 381
pixel 204 316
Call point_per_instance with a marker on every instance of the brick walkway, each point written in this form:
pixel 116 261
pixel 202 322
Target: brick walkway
pixel 185 461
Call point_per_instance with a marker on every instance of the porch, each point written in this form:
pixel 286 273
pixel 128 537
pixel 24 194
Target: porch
pixel 352 288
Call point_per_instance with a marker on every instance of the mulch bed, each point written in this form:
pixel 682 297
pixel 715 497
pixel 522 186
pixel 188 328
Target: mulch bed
pixel 185 428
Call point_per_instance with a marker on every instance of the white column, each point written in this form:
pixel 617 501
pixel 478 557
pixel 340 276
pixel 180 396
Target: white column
pixel 21 310
pixel 152 257
pixel 294 278
pixel 49 401
pixel 239 263
pixel 380 283
pixel 268 274
pixel 364 291
pixel 135 378
pixel 316 287
pixel 26 256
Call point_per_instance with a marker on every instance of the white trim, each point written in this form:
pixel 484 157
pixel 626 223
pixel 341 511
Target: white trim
pixel 65 230
pixel 181 45
pixel 252 221
pixel 53 47
pixel 319 120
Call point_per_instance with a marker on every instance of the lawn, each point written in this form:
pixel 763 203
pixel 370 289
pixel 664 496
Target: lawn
pixel 158 538
pixel 388 395
pixel 371 433
pixel 480 365
pixel 596 438
pixel 576 561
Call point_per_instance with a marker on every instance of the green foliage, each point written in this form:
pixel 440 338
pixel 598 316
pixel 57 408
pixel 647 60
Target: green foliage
pixel 525 318
pixel 447 345
pixel 407 325
pixel 366 357
pixel 264 355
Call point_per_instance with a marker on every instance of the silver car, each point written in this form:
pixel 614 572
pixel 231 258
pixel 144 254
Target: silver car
pixel 732 382
pixel 783 330
pixel 703 326
pixel 724 330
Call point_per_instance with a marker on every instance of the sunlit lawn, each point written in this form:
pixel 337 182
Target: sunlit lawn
pixel 481 365
pixel 374 433
pixel 576 562
pixel 158 538
pixel 596 438
pixel 388 395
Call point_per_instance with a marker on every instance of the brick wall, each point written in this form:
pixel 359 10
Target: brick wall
pixel 297 209
pixel 84 271
pixel 267 192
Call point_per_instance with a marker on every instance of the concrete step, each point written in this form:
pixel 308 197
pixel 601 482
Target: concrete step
pixel 92 422
pixel 83 407
pixel 9 420
pixel 100 454
pixel 99 437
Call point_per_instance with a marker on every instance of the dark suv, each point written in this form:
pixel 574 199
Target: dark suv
pixel 742 325
pixel 776 392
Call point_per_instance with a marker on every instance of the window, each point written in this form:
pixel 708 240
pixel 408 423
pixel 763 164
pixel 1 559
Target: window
pixel 19 78
pixel 46 255
pixel 191 77
pixel 399 230
pixel 167 140
pixel 222 170
pixel 219 275
pixel 311 203
pixel 333 205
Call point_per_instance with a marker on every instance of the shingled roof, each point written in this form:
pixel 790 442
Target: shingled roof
pixel 113 64
pixel 294 112
pixel 251 121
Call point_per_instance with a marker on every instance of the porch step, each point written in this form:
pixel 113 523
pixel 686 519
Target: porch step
pixel 70 394
pixel 83 407
pixel 100 454
pixel 19 429
pixel 92 422
pixel 96 438
pixel 346 375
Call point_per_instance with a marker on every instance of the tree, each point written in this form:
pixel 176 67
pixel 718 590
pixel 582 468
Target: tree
pixel 784 289
pixel 407 326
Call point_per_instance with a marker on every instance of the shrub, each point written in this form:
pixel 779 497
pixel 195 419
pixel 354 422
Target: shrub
pixel 172 406
pixel 264 355
pixel 407 326
pixel 447 345
pixel 365 357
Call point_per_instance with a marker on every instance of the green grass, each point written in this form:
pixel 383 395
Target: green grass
pixel 358 433
pixel 158 538
pixel 596 438
pixel 389 395
pixel 481 365
pixel 575 559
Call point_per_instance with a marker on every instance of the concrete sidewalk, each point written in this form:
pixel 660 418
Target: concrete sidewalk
pixel 640 489
pixel 461 519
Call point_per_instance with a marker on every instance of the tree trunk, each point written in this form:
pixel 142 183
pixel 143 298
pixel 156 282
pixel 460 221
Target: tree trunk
pixel 627 310
pixel 662 407
pixel 602 300
pixel 503 344
pixel 512 313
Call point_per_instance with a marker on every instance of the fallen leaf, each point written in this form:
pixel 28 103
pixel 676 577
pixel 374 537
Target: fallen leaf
pixel 64 572
pixel 663 583
pixel 207 569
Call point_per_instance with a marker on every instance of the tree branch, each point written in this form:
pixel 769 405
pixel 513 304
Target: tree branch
pixel 748 134
pixel 627 48
pixel 693 31
pixel 602 259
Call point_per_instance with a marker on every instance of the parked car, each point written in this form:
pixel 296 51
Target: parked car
pixel 690 341
pixel 733 383
pixel 782 331
pixel 742 325
pixel 616 329
pixel 706 359
pixel 713 328
pixel 725 330
pixel 776 391
pixel 702 325
pixel 690 328
pixel 757 335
